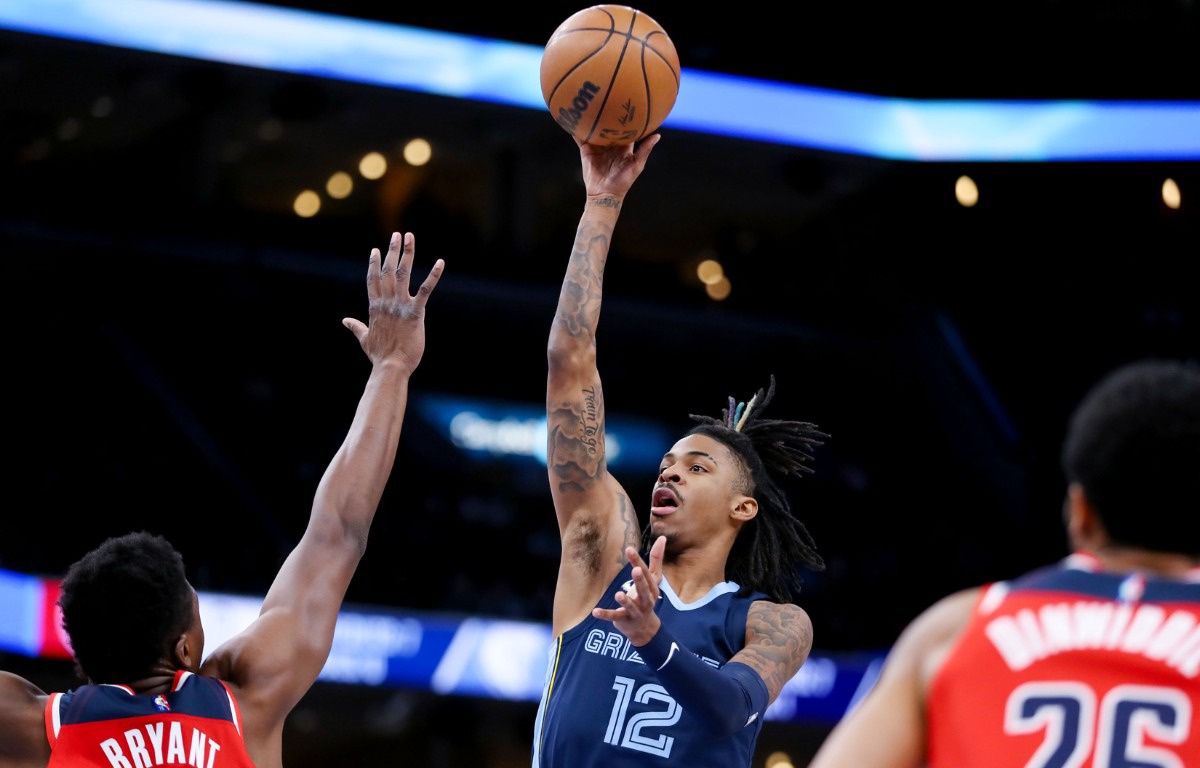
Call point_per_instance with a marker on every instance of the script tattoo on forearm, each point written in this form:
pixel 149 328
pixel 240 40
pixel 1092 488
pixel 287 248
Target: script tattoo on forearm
pixel 608 201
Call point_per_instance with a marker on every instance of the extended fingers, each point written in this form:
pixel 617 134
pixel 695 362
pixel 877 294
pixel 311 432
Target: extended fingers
pixel 656 556
pixel 632 606
pixel 643 593
pixel 646 146
pixel 374 270
pixel 391 269
pixel 393 275
pixel 408 247
pixel 381 269
pixel 431 281
pixel 653 571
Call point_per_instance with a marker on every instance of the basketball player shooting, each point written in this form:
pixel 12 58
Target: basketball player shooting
pixel 667 648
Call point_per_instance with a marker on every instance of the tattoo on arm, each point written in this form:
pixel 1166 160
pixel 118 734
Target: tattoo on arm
pixel 629 526
pixel 778 641
pixel 576 440
pixel 608 201
pixel 574 448
pixel 579 302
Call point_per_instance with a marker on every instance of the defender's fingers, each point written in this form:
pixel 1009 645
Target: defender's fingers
pixel 408 248
pixel 431 281
pixel 356 327
pixel 387 271
pixel 374 270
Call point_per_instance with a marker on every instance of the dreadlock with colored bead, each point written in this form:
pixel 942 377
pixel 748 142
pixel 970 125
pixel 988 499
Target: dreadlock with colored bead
pixel 770 450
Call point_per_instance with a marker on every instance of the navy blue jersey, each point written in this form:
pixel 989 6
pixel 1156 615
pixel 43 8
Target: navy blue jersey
pixel 196 723
pixel 602 706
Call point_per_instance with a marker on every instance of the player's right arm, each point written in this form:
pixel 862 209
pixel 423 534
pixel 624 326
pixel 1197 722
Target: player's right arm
pixel 595 517
pixel 275 660
pixel 887 729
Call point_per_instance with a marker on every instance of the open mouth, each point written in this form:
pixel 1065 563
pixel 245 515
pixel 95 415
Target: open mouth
pixel 664 500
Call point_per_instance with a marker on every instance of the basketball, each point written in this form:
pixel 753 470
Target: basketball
pixel 610 75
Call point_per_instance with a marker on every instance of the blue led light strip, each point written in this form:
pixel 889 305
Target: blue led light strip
pixel 446 654
pixel 499 71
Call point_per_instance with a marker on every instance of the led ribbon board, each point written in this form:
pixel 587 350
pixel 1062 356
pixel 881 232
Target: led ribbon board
pixel 459 66
pixel 443 654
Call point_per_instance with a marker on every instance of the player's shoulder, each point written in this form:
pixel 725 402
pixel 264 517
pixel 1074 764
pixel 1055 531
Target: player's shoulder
pixel 961 600
pixel 924 642
pixel 18 694
pixel 945 617
pixel 22 720
pixel 785 617
pixel 13 685
pixel 769 606
pixel 781 633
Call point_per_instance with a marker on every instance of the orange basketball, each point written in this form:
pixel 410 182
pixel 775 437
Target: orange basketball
pixel 610 75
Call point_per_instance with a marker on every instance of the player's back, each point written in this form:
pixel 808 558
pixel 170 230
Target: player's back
pixel 1071 666
pixel 196 723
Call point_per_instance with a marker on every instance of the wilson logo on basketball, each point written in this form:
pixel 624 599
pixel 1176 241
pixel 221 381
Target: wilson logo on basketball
pixel 569 117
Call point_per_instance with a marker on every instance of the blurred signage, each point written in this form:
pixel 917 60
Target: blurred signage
pixel 492 429
pixel 439 653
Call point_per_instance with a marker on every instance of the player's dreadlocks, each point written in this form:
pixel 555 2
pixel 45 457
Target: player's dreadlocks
pixel 771 449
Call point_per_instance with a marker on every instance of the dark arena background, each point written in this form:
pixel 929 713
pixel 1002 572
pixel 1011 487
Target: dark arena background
pixel 175 360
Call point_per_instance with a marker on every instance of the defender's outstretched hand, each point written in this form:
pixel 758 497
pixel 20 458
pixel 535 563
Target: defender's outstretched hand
pixel 636 618
pixel 397 319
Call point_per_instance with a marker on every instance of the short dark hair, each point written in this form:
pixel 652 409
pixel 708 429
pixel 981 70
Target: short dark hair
pixel 123 604
pixel 1133 445
pixel 770 548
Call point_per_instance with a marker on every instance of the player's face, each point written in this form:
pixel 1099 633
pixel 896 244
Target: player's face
pixel 695 493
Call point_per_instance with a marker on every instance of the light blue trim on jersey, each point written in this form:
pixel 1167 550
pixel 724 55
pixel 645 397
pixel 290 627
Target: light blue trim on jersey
pixel 722 588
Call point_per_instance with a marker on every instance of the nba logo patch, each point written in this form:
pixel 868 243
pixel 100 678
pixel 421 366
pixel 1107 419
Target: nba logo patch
pixel 1132 588
pixel 161 703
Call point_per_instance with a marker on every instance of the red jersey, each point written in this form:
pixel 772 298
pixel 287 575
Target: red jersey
pixel 197 723
pixel 1073 667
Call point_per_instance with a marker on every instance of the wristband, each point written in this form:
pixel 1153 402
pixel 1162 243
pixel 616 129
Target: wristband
pixel 725 699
